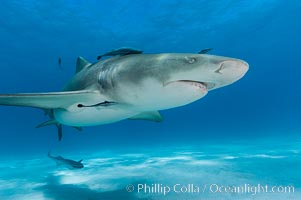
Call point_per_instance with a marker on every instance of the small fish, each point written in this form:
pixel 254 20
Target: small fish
pixel 120 52
pixel 204 51
pixel 70 164
pixel 60 62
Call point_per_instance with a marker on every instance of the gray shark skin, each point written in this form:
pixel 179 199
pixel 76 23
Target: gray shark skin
pixel 70 164
pixel 134 86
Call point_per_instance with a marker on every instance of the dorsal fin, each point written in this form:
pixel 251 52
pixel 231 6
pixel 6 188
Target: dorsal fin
pixel 81 63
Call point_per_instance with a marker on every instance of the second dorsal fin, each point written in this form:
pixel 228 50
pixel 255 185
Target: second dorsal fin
pixel 81 63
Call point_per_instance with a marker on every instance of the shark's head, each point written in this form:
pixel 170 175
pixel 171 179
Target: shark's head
pixel 77 165
pixel 210 71
pixel 162 81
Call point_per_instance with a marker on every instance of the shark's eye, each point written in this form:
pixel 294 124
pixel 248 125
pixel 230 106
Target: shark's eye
pixel 190 60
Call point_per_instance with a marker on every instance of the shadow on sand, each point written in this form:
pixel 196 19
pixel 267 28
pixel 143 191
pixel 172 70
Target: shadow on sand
pixel 55 190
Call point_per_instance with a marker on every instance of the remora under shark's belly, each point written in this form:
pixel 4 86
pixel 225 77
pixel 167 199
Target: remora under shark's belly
pixel 92 116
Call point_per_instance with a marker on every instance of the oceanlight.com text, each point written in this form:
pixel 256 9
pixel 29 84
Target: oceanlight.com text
pixel 177 188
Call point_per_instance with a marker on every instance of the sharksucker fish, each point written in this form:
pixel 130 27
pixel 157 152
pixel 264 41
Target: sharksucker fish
pixel 134 86
pixel 204 51
pixel 70 164
pixel 120 52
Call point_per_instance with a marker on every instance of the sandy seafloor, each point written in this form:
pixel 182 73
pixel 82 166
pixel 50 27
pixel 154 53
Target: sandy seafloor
pixel 107 174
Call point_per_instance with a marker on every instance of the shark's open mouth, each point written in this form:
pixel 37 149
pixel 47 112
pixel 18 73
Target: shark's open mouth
pixel 201 85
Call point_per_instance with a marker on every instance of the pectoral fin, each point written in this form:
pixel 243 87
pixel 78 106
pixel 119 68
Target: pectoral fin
pixel 151 116
pixel 78 128
pixel 51 100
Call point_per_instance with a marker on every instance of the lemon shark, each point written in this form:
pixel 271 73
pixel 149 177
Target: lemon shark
pixel 134 86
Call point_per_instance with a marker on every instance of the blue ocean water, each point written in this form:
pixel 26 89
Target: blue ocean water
pixel 245 133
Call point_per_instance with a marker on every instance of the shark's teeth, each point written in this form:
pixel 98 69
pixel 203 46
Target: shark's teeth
pixel 201 85
pixel 210 85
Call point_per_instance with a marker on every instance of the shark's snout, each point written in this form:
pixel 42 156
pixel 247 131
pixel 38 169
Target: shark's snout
pixel 218 71
pixel 233 69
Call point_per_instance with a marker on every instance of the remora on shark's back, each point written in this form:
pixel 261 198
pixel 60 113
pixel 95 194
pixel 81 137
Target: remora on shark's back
pixel 123 51
pixel 134 86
